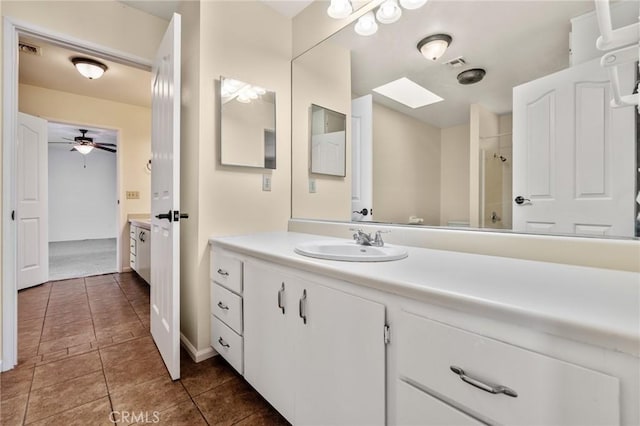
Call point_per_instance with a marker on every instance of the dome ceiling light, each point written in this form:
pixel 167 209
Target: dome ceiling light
pixel 339 9
pixel 388 12
pixel 89 68
pixel 471 76
pixel 366 25
pixel 434 46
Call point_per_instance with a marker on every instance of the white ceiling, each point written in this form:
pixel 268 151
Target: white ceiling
pixel 54 70
pixel 60 132
pixel 514 41
pixel 288 8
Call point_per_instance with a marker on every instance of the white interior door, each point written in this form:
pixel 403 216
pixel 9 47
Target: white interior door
pixel 573 155
pixel 362 158
pixel 165 199
pixel 32 206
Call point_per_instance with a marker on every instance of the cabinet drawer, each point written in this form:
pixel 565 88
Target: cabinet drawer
pixel 419 408
pixel 227 343
pixel 132 246
pixel 226 271
pixel 549 391
pixel 227 306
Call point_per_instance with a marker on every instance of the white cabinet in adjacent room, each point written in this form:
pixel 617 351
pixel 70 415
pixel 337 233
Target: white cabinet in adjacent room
pixel 315 353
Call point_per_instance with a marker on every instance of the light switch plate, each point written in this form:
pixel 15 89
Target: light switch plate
pixel 133 195
pixel 266 182
pixel 312 186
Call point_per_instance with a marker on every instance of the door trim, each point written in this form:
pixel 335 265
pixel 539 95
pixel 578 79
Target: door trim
pixel 11 30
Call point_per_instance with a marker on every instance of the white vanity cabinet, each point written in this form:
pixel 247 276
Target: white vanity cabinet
pixel 315 353
pixel 495 381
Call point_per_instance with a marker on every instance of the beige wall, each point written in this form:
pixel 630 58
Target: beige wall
pixel 251 42
pixel 109 24
pixel 406 168
pixel 454 174
pixel 323 78
pixel 133 124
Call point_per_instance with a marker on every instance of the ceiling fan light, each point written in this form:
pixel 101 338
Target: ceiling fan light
pixel 89 68
pixel 412 4
pixel 83 149
pixel 339 9
pixel 366 25
pixel 388 12
pixel 434 46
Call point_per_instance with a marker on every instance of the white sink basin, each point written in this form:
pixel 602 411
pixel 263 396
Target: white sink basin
pixel 349 251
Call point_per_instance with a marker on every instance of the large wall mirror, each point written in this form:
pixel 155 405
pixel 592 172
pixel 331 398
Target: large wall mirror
pixel 248 124
pixel 328 141
pixel 507 129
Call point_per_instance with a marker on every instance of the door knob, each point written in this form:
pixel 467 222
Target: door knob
pixel 363 212
pixel 167 216
pixel 521 200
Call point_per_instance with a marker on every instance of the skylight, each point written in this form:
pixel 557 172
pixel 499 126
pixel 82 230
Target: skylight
pixel 408 93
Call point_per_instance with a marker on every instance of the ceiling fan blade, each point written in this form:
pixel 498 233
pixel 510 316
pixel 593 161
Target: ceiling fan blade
pixel 66 143
pixel 106 144
pixel 69 139
pixel 99 146
pixel 73 149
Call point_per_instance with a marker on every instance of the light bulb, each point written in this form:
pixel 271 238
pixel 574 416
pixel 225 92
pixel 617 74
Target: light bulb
pixel 339 9
pixel 389 12
pixel 412 4
pixel 83 149
pixel 366 25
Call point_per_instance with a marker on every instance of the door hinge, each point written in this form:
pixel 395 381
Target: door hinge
pixel 387 334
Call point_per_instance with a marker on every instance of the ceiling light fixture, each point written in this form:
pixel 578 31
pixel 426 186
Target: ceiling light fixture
pixel 412 4
pixel 366 25
pixel 339 9
pixel 434 46
pixel 83 149
pixel 389 12
pixel 89 68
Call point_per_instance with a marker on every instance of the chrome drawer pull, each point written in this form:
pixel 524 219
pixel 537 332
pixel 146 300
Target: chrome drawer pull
pixel 223 272
pixel 487 387
pixel 302 307
pixel 223 306
pixel 281 298
pixel 223 343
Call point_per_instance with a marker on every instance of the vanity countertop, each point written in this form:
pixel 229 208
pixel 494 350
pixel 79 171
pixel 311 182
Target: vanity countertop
pixel 142 223
pixel 597 306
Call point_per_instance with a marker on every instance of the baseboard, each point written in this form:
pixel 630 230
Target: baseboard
pixel 196 355
pixel 127 269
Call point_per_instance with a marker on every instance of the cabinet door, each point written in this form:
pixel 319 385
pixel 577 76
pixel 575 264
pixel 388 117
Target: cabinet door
pixel 268 352
pixel 340 359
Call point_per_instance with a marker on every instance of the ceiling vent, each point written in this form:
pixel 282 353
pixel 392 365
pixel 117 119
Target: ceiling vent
pixel 31 49
pixel 458 62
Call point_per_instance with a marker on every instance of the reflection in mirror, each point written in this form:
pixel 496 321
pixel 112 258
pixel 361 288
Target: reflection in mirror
pixel 328 141
pixel 530 145
pixel 248 125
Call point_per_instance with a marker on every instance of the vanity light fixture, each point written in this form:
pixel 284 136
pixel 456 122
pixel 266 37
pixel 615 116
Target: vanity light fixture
pixel 412 4
pixel 83 149
pixel 339 9
pixel 366 25
pixel 89 68
pixel 434 46
pixel 389 12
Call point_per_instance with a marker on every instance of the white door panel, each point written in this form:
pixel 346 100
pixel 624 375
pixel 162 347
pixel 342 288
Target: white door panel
pixel 567 140
pixel 362 158
pixel 165 199
pixel 32 206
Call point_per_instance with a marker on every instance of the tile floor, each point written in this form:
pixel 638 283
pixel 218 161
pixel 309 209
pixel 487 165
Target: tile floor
pixel 73 259
pixel 85 351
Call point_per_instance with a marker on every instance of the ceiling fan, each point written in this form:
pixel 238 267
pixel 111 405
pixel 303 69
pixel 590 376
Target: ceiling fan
pixel 84 144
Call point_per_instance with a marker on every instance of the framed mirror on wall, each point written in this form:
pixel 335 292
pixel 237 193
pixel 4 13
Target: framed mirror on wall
pixel 247 124
pixel 328 141
pixel 473 115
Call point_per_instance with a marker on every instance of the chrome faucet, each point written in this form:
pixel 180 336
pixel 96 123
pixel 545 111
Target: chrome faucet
pixel 365 239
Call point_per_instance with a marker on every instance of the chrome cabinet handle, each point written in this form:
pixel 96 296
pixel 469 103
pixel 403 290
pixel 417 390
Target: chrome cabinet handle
pixel 223 343
pixel 302 307
pixel 281 298
pixel 223 306
pixel 485 386
pixel 223 272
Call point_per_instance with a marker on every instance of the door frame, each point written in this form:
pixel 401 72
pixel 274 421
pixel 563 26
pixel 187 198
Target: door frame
pixel 12 29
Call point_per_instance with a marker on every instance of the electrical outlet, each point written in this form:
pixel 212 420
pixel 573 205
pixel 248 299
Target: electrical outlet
pixel 266 182
pixel 133 195
pixel 312 186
